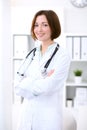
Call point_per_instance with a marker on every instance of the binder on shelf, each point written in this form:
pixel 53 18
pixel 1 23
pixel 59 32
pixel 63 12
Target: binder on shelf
pixel 20 46
pixel 69 46
pixel 69 103
pixel 84 48
pixel 81 93
pixel 76 48
pixel 78 103
pixel 81 97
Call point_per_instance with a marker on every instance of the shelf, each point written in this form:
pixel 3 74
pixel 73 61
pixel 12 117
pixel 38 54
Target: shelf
pixel 79 60
pixel 76 84
pixel 18 58
pixel 77 47
pixel 76 93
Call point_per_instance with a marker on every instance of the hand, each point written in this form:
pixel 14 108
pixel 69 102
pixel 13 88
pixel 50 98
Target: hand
pixel 50 72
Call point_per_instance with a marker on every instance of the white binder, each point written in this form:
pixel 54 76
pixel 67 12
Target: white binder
pixel 20 46
pixel 69 46
pixel 76 48
pixel 84 48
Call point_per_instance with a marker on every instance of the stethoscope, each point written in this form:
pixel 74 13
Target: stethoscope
pixel 25 65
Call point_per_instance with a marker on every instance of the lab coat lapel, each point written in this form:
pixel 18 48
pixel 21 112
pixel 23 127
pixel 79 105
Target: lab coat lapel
pixel 45 58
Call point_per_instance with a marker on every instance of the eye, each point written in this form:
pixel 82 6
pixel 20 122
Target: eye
pixel 35 25
pixel 45 24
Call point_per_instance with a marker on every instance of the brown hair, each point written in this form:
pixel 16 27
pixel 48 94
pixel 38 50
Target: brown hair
pixel 53 22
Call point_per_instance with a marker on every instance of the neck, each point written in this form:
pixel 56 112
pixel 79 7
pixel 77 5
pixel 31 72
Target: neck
pixel 45 45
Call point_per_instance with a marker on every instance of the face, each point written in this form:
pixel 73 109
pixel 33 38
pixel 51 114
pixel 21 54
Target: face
pixel 42 29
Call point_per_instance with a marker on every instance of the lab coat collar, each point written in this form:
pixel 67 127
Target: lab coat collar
pixel 47 55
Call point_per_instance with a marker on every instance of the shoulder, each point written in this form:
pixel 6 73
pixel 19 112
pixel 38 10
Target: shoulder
pixel 63 51
pixel 62 54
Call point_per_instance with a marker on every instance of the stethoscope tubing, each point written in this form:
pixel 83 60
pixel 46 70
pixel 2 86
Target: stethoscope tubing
pixel 43 72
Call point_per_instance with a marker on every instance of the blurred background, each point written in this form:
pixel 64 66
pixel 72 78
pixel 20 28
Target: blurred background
pixel 15 42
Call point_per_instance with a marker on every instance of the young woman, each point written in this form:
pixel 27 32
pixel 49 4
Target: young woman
pixel 42 76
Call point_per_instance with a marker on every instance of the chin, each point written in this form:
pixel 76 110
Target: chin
pixel 41 39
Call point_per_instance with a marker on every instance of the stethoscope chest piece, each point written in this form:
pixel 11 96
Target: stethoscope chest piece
pixel 44 72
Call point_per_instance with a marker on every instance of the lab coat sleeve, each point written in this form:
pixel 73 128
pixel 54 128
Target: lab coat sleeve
pixel 55 81
pixel 22 88
pixel 30 88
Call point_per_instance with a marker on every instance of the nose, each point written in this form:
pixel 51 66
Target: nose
pixel 39 28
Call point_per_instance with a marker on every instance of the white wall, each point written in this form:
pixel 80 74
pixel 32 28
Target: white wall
pixel 1 97
pixel 22 17
pixel 5 67
pixel 74 20
pixel 22 13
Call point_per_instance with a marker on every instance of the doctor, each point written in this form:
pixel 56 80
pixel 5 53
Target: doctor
pixel 41 81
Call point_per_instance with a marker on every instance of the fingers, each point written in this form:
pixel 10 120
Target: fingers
pixel 50 72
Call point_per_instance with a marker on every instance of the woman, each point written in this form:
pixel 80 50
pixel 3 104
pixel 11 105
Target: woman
pixel 43 76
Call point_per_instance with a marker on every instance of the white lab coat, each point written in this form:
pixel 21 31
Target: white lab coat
pixel 42 106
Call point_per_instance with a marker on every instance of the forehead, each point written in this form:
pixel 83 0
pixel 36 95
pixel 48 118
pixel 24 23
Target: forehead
pixel 41 18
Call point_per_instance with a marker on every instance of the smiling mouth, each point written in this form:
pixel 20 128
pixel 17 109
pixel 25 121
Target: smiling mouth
pixel 40 35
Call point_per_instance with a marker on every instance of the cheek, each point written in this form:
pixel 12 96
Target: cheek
pixel 49 32
pixel 34 30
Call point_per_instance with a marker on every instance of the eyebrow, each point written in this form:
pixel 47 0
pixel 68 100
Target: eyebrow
pixel 42 22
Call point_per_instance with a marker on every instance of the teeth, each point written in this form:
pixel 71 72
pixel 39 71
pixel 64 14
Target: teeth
pixel 40 34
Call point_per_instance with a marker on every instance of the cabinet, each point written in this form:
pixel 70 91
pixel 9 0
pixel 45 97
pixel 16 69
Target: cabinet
pixel 22 44
pixel 76 94
pixel 77 47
